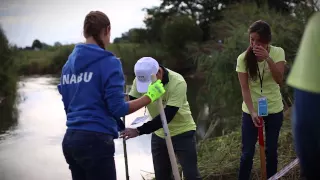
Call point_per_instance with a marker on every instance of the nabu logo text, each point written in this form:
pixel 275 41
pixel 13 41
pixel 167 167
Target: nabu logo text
pixel 73 79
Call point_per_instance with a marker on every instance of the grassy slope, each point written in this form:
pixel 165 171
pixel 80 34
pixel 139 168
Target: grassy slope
pixel 219 158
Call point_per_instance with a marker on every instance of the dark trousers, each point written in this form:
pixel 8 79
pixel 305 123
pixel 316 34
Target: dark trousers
pixel 306 131
pixel 272 124
pixel 185 149
pixel 90 155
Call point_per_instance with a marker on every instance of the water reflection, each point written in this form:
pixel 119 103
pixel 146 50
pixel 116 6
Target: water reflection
pixel 31 145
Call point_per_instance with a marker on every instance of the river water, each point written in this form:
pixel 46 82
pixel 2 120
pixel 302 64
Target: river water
pixel 31 148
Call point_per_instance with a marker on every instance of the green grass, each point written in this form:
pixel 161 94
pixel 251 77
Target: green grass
pixel 33 62
pixel 50 61
pixel 41 62
pixel 219 158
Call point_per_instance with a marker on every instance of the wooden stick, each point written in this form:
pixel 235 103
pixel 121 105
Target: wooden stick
pixel 123 139
pixel 125 155
pixel 262 151
pixel 172 156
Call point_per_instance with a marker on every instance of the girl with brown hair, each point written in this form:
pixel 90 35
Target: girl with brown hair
pixel 260 71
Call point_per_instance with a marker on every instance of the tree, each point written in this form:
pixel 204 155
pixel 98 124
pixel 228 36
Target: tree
pixel 207 12
pixel 36 44
pixel 57 44
pixel 178 31
pixel 154 20
pixel 7 69
pixel 117 40
pixel 204 11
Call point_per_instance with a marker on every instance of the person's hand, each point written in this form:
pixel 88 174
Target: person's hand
pixel 129 133
pixel 155 90
pixel 260 52
pixel 255 119
pixel 126 97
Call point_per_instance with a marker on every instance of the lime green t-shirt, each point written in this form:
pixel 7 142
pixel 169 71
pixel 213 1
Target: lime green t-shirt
pixel 270 88
pixel 305 73
pixel 175 95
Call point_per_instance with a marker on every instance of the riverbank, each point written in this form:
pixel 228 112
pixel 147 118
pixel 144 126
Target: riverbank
pixel 50 61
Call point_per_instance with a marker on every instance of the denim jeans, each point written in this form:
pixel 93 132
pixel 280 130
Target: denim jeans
pixel 272 124
pixel 184 146
pixel 90 155
pixel 306 131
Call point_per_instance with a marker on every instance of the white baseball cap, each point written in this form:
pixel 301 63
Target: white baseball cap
pixel 143 69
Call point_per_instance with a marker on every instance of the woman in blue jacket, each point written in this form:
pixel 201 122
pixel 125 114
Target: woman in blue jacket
pixel 91 86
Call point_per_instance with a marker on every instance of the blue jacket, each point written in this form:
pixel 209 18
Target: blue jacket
pixel 92 89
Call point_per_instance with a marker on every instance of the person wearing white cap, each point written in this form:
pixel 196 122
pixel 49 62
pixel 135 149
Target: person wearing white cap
pixel 180 121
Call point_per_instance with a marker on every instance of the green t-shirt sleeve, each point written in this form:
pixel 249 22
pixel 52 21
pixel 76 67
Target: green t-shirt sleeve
pixel 178 95
pixel 305 74
pixel 280 56
pixel 133 92
pixel 241 66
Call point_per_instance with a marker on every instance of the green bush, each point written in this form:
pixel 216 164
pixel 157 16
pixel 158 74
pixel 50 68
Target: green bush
pixel 179 31
pixel 59 59
pixel 51 61
pixel 8 82
pixel 8 76
pixel 127 52
pixel 30 62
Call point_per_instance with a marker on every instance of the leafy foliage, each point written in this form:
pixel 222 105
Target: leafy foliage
pixel 8 79
pixel 36 44
pixel 60 58
pixel 7 68
pixel 179 31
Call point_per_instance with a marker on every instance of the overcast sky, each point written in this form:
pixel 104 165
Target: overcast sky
pixel 62 20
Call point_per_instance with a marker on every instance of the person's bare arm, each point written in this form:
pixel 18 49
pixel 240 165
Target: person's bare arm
pixel 139 103
pixel 276 69
pixel 246 95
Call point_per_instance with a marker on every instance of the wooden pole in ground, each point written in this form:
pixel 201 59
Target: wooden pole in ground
pixel 123 139
pixel 171 153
